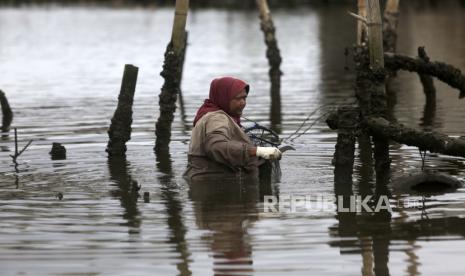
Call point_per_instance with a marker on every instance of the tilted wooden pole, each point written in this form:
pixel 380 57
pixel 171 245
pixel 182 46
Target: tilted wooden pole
pixel 172 73
pixel 120 129
pixel 274 60
pixel 178 35
pixel 378 97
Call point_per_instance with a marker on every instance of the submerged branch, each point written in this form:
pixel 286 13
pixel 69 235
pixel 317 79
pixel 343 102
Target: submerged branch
pixel 432 141
pixel 444 72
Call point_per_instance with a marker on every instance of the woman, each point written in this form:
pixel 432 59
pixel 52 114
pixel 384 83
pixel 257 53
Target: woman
pixel 219 147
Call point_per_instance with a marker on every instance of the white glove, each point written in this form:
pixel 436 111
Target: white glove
pixel 269 153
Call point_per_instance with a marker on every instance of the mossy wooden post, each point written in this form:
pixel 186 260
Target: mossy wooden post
pixel 120 128
pixel 391 17
pixel 274 59
pixel 172 70
pixel 7 114
pixel 361 27
pixel 378 93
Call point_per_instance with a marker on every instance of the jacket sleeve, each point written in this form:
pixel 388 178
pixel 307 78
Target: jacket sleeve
pixel 220 146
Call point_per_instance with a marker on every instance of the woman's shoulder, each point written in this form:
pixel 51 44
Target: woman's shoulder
pixel 218 115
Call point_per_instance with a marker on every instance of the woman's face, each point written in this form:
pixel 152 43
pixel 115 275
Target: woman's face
pixel 238 103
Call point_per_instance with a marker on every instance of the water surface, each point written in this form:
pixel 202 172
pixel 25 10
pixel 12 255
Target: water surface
pixel 61 70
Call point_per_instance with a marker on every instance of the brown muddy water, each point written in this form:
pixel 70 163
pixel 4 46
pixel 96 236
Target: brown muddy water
pixel 61 69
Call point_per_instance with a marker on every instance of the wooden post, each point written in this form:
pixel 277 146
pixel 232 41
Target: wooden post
pixel 361 27
pixel 179 25
pixel 375 35
pixel 274 60
pixel 391 16
pixel 172 73
pixel 120 128
pixel 378 94
pixel 6 111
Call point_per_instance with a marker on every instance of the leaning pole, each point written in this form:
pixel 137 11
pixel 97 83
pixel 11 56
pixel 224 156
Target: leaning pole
pixel 172 73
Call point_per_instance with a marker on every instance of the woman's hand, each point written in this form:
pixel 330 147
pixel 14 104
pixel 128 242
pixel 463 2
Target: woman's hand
pixel 269 153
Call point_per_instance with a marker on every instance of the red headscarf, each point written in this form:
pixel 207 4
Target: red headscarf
pixel 222 91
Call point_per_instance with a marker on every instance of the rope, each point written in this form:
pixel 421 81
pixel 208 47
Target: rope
pixel 296 132
pixel 423 158
pixel 311 125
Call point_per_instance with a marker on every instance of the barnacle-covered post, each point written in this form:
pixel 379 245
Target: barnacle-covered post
pixel 377 93
pixel 274 60
pixel 7 114
pixel 120 129
pixel 172 73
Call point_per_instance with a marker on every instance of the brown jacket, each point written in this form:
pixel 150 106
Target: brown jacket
pixel 219 149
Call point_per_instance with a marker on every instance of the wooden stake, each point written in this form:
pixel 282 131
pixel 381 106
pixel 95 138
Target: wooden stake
pixel 179 26
pixel 120 129
pixel 375 34
pixel 6 111
pixel 378 94
pixel 172 73
pixel 274 60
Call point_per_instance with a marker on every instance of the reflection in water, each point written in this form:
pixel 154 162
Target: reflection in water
pixel 171 198
pixel 227 209
pixel 182 113
pixel 127 191
pixel 372 230
pixel 428 121
pixel 275 114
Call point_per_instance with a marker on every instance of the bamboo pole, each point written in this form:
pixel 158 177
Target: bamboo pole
pixel 361 27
